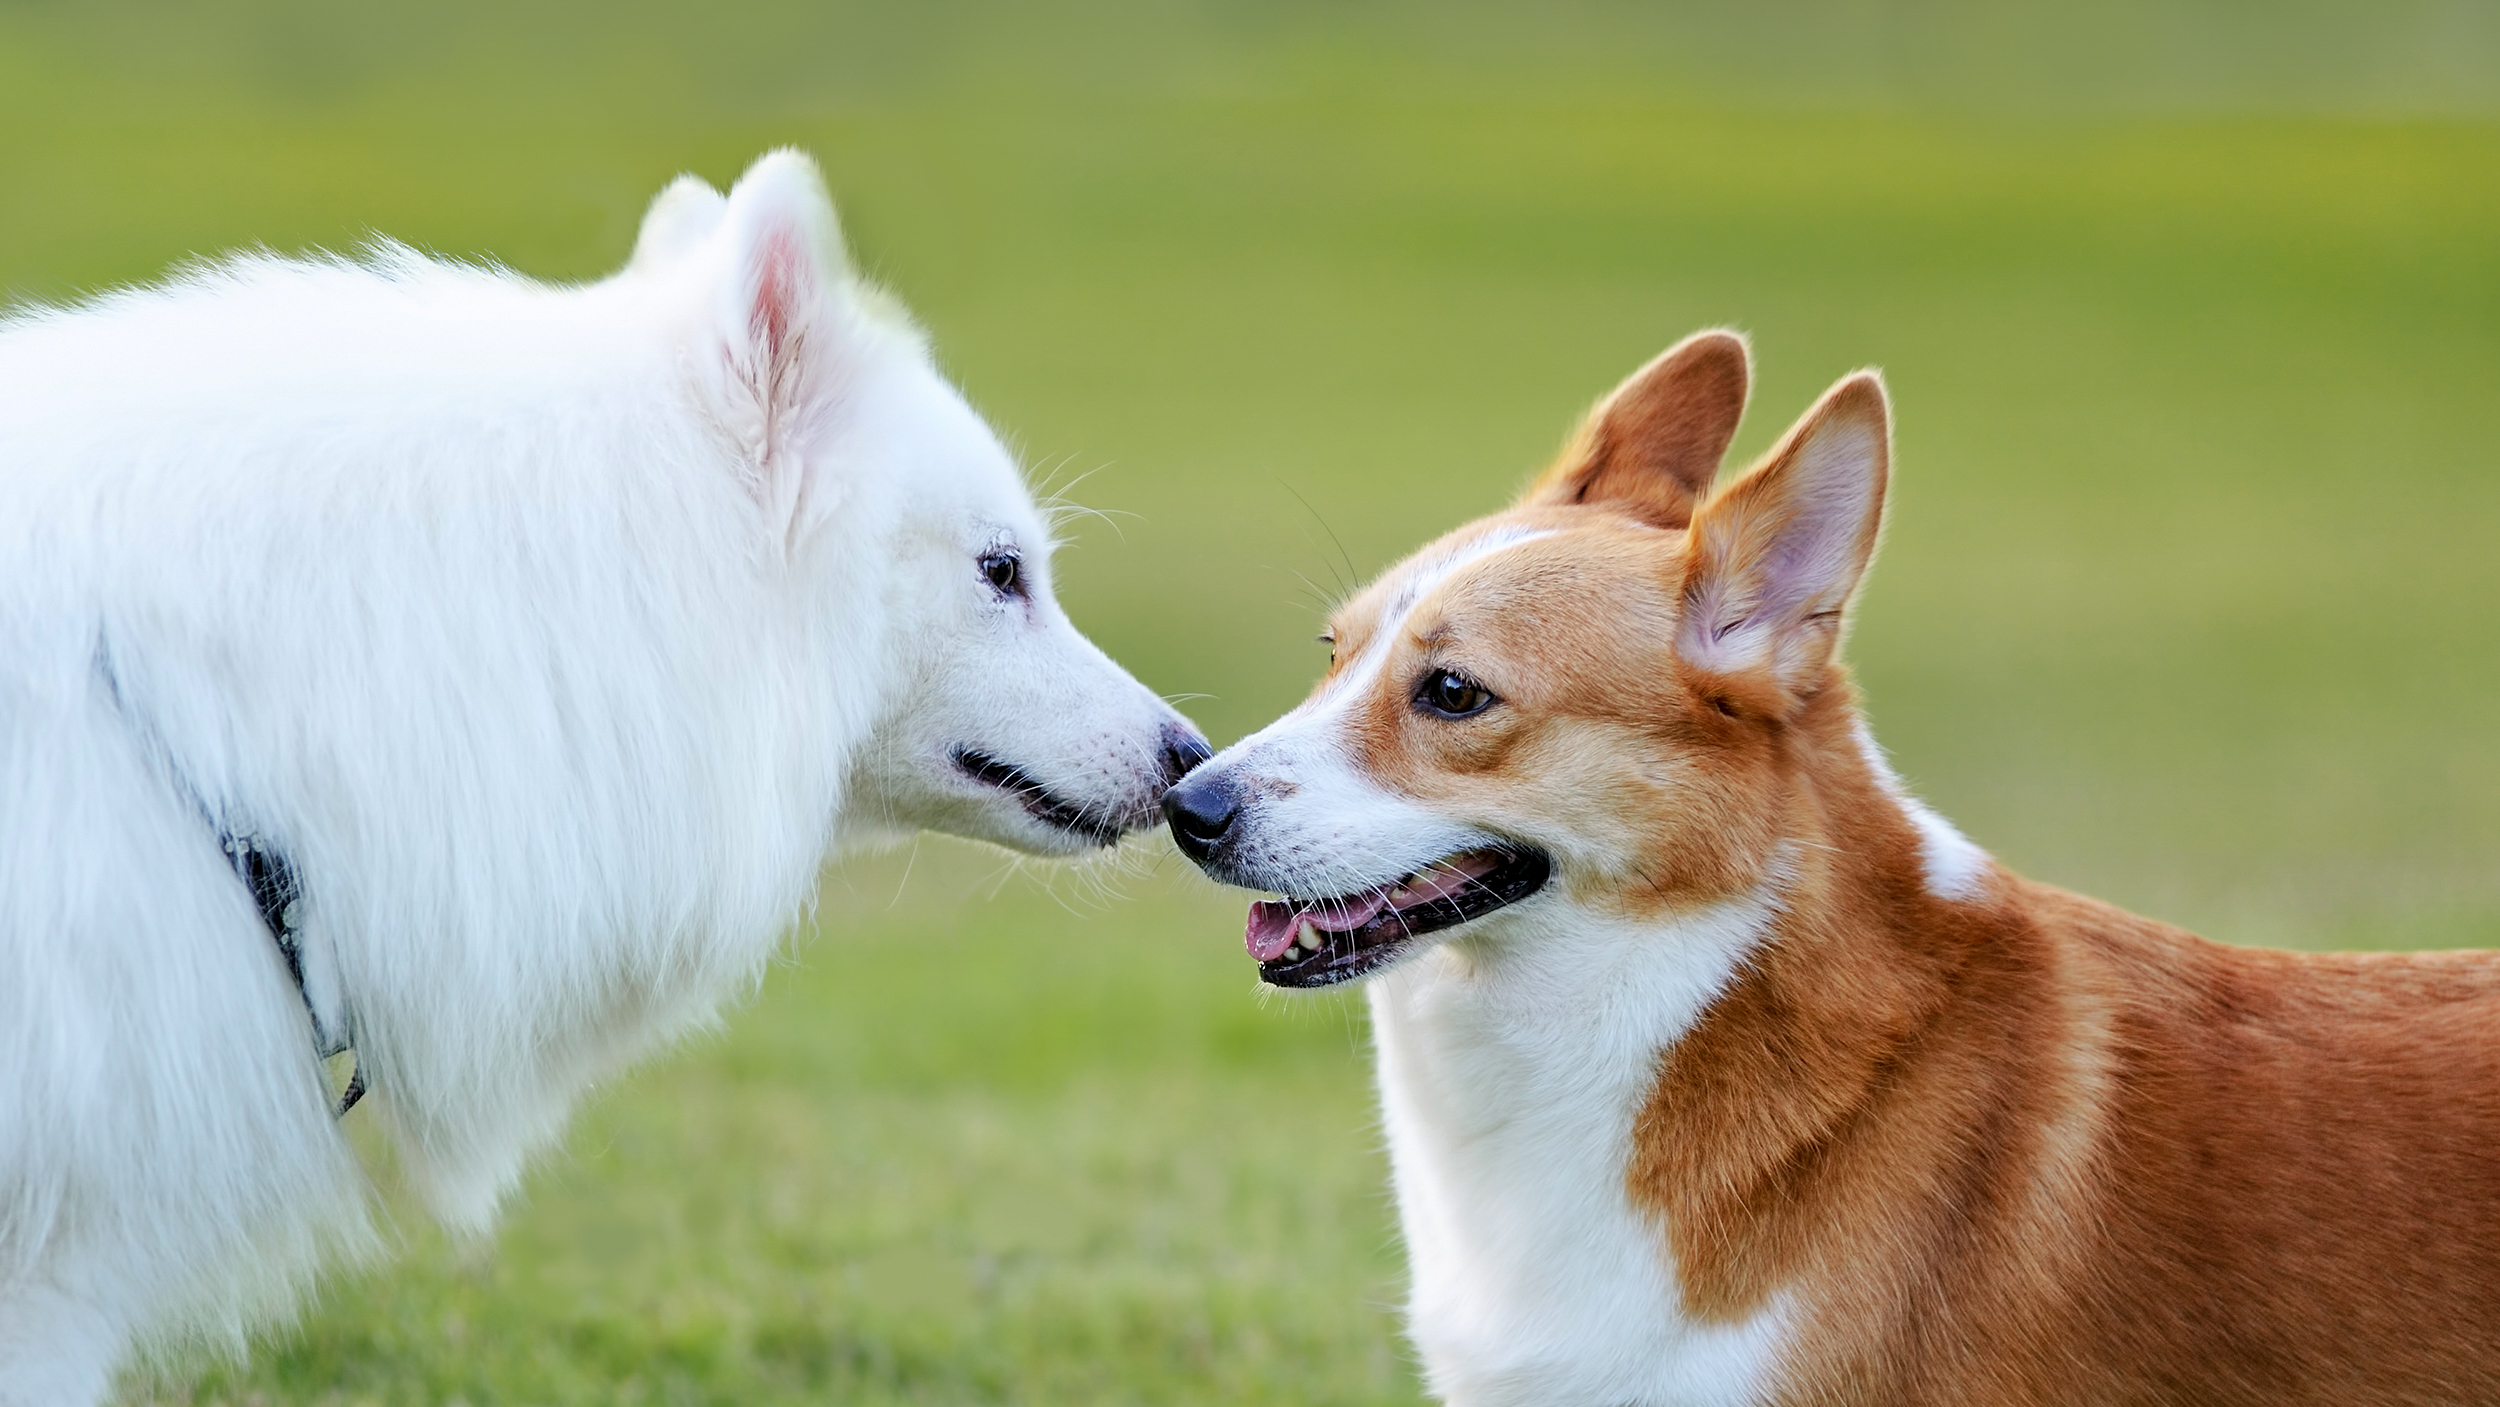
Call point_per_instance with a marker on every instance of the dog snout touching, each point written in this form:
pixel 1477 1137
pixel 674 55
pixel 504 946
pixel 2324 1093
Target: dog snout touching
pixel 1183 750
pixel 1201 813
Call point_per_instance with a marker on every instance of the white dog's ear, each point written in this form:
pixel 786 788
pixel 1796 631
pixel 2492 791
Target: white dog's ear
pixel 679 219
pixel 1652 447
pixel 1775 557
pixel 781 317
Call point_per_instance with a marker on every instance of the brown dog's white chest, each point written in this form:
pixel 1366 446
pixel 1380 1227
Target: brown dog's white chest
pixel 1512 1067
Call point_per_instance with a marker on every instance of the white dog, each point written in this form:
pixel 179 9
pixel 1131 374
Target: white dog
pixel 471 673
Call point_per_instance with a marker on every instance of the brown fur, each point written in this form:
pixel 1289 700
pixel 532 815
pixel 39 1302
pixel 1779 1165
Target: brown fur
pixel 1652 446
pixel 2036 1149
pixel 2022 1148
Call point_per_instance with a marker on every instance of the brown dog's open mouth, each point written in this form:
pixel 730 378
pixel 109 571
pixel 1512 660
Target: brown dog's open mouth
pixel 1320 942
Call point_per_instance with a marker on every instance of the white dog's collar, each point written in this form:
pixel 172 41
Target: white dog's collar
pixel 265 871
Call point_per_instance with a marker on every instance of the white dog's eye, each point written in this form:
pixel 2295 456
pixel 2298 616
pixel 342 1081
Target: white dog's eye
pixel 1453 695
pixel 1005 571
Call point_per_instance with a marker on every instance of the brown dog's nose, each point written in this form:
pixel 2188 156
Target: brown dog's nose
pixel 1201 811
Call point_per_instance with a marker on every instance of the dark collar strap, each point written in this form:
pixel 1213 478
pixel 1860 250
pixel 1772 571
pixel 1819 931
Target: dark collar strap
pixel 275 893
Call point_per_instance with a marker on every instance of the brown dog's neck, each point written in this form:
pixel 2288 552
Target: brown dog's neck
pixel 1807 1091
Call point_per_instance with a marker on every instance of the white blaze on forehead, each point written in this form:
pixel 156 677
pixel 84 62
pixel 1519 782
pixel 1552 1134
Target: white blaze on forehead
pixel 1956 867
pixel 1426 578
pixel 1334 828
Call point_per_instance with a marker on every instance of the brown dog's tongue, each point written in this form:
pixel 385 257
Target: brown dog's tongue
pixel 1346 915
pixel 1270 929
pixel 1269 932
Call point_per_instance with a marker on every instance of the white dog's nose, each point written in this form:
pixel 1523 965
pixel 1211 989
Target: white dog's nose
pixel 1184 747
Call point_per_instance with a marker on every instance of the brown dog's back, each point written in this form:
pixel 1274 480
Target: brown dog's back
pixel 2081 1157
pixel 2303 1171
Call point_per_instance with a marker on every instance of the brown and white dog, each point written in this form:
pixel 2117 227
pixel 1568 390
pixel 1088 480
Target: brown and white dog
pixel 1718 1069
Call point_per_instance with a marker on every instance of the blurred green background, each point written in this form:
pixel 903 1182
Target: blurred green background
pixel 2192 312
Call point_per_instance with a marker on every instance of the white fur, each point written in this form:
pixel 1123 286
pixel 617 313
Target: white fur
pixel 1953 865
pixel 1513 1058
pixel 554 634
pixel 1333 830
pixel 1512 1063
pixel 1347 688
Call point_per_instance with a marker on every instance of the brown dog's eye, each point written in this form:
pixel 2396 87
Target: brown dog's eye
pixel 1005 571
pixel 1453 695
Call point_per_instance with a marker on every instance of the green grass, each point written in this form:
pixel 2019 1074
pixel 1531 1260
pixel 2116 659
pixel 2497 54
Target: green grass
pixel 2192 314
pixel 945 1159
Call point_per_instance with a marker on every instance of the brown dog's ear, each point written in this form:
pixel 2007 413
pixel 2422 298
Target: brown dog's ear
pixel 1653 446
pixel 1775 557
